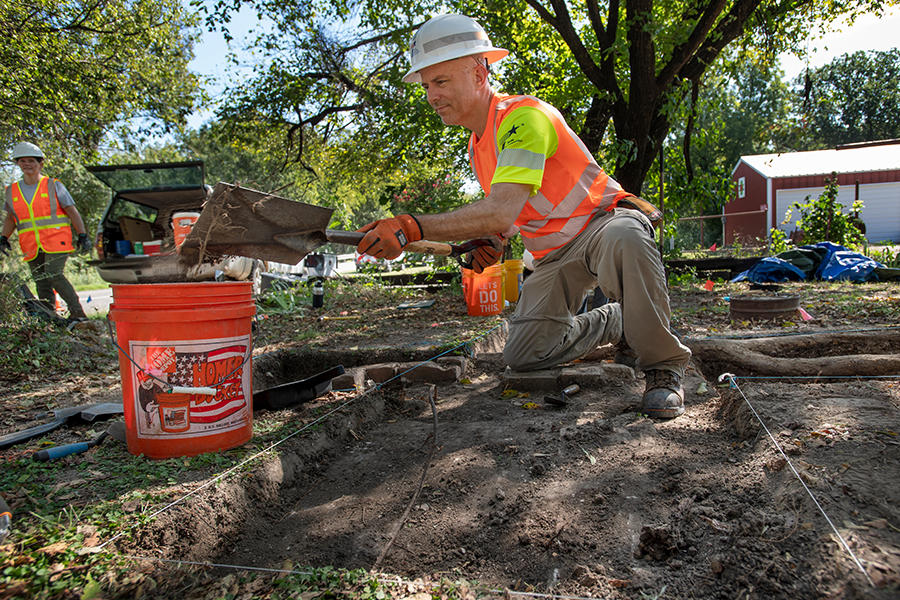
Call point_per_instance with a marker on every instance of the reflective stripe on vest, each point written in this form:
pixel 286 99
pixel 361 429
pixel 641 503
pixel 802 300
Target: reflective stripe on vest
pixel 42 223
pixel 553 216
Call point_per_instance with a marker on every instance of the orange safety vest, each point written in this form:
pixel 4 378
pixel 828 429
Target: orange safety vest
pixel 42 224
pixel 573 187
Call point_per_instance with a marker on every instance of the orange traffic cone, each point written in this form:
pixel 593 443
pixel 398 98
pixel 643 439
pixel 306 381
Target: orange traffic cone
pixel 58 305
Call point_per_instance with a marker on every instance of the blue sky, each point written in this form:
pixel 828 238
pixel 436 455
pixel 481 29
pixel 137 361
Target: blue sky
pixel 868 33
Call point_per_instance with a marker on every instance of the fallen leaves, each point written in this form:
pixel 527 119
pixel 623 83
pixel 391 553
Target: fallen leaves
pixel 56 548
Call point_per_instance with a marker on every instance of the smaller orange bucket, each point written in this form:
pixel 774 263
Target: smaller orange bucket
pixel 484 291
pixel 174 412
pixel 182 223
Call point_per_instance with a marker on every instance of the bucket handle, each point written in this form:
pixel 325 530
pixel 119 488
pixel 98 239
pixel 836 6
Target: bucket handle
pixel 204 391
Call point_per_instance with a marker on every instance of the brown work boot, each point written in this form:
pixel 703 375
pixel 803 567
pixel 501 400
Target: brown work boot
pixel 663 396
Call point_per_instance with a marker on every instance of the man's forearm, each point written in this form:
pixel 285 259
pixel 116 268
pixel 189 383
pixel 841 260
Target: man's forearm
pixel 495 214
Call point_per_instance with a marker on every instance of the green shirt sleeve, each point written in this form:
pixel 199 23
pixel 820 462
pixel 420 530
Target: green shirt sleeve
pixel 526 139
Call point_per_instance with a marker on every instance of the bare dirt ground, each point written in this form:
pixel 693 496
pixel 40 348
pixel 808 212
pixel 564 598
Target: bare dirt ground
pixel 587 500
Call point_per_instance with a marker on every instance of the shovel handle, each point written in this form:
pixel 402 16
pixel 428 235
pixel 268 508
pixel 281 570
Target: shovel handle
pixel 59 452
pixel 353 238
pixel 62 451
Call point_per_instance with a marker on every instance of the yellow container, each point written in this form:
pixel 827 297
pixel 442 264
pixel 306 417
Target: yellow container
pixel 515 268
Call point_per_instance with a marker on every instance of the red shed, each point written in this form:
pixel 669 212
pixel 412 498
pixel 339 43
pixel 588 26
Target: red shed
pixel 774 182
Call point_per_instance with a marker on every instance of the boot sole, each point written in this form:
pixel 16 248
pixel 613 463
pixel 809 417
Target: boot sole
pixel 663 413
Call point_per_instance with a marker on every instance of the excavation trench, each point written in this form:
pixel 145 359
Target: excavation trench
pixel 590 499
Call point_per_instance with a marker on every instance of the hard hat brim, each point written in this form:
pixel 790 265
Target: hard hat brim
pixel 491 53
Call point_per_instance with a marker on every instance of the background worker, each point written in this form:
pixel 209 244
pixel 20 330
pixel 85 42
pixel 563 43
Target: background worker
pixel 583 229
pixel 43 212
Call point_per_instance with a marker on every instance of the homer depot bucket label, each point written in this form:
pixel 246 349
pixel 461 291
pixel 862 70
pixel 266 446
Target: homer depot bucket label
pixel 197 363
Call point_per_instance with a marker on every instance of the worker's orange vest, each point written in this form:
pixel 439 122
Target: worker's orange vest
pixel 42 223
pixel 573 188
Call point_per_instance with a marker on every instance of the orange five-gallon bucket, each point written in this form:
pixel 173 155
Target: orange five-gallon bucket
pixel 484 291
pixel 191 389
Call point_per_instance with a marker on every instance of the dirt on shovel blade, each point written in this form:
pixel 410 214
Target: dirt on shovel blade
pixel 245 222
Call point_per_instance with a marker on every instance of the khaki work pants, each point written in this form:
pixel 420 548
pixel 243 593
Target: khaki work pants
pixel 616 252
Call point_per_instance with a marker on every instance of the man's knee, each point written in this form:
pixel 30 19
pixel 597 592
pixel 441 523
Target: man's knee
pixel 517 361
pixel 526 354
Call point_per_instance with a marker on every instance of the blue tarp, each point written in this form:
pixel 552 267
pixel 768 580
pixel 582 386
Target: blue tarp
pixel 771 270
pixel 838 264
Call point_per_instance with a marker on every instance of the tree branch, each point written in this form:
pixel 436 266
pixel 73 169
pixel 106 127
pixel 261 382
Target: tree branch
pixel 382 36
pixel 597 24
pixel 700 33
pixel 642 52
pixel 562 22
pixel 322 114
pixel 728 29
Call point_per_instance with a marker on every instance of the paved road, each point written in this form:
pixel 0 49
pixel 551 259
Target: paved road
pixel 96 301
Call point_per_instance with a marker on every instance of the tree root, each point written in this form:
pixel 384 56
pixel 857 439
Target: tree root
pixel 835 354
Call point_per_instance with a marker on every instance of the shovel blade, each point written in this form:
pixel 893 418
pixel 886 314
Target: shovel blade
pixel 245 222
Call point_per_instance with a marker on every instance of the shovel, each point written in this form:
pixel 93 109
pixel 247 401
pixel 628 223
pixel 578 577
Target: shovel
pixel 116 430
pixel 65 416
pixel 239 221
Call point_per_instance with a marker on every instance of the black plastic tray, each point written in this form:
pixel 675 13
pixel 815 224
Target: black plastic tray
pixel 296 392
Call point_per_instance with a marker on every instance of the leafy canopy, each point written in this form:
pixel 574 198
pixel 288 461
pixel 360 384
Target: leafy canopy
pixel 334 67
pixel 72 72
pixel 855 98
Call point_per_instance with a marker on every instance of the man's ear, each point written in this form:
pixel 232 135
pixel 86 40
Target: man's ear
pixel 481 74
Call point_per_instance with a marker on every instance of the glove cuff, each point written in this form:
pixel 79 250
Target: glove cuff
pixel 411 227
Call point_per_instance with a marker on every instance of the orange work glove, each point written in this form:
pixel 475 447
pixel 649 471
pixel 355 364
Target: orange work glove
pixel 385 238
pixel 483 257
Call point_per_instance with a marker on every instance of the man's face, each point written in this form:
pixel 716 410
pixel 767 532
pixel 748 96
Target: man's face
pixel 451 90
pixel 29 165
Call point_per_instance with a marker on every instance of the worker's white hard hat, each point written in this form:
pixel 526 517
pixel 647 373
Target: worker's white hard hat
pixel 448 37
pixel 23 149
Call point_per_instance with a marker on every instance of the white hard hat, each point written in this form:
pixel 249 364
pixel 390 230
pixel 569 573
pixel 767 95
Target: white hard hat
pixel 23 149
pixel 448 37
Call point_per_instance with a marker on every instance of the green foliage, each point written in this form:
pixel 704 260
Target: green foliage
pixel 888 256
pixel 77 71
pixel 823 219
pixel 855 98
pixel 429 195
pixel 55 573
pixel 744 109
pixel 283 300
pixel 30 344
pixel 778 241
pixel 686 278
pixel 332 73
